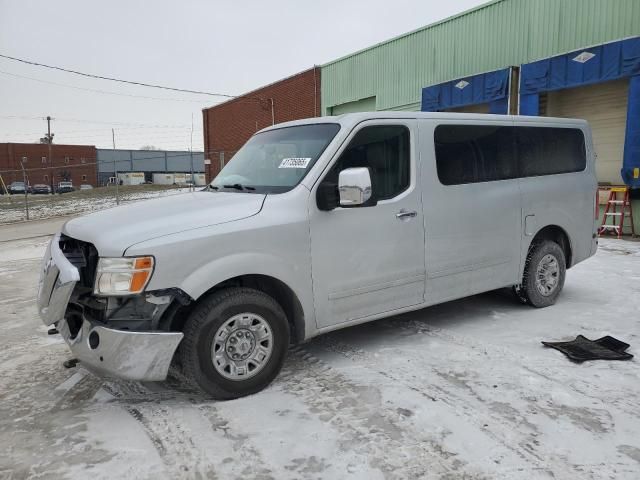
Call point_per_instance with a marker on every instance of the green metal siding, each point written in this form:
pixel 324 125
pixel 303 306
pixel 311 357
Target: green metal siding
pixel 493 36
pixel 364 105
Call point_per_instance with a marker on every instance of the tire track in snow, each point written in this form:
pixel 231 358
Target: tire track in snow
pixel 441 391
pixel 550 374
pixel 180 452
pixel 365 425
pixel 172 434
pixel 175 446
pixel 451 391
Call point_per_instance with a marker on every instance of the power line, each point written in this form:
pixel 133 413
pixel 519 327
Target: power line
pixel 99 91
pixel 76 120
pixel 127 130
pixel 100 77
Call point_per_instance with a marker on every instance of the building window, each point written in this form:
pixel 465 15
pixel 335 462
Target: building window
pixel 44 159
pixel 66 159
pixel 46 178
pixel 84 178
pixel 83 160
pixel 24 159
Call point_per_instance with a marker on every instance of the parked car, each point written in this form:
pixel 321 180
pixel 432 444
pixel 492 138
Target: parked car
pixel 41 188
pixel 86 186
pixel 316 225
pixel 65 187
pixel 17 188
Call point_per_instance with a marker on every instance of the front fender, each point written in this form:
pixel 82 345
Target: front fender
pixel 225 268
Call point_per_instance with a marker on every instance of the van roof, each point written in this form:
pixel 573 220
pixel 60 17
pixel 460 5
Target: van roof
pixel 352 119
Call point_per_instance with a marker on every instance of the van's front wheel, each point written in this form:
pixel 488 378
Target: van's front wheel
pixel 235 342
pixel 544 274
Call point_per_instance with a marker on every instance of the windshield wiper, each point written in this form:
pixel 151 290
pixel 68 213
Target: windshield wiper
pixel 239 186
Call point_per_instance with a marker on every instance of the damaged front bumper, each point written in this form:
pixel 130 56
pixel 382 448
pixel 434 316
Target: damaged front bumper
pixel 131 355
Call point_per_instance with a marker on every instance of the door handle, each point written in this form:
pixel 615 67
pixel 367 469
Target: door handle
pixel 405 214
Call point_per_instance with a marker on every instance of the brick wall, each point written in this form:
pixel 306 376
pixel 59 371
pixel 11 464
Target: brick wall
pixel 229 125
pixel 76 163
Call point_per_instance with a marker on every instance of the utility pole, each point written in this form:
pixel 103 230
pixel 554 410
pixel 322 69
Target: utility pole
pixel 49 142
pixel 115 167
pixel 24 179
pixel 273 113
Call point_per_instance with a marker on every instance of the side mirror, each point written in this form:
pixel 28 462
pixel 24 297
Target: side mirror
pixel 354 187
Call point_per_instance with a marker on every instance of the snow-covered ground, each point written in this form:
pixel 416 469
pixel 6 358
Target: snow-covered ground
pixel 460 390
pixel 40 207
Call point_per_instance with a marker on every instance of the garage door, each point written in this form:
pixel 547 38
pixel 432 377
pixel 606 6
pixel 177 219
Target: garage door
pixel 604 106
pixel 365 105
pixel 478 108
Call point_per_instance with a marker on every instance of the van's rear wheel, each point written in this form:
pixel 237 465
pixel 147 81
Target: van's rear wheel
pixel 544 274
pixel 235 342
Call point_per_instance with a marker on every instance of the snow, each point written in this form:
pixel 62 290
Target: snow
pixel 459 390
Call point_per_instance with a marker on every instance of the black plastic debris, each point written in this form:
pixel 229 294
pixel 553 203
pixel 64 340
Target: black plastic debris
pixel 582 349
pixel 71 363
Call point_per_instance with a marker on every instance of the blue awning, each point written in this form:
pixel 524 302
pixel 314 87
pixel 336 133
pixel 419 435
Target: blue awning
pixel 482 88
pixel 582 67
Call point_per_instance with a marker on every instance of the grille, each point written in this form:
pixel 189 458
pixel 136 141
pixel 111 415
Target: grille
pixel 83 256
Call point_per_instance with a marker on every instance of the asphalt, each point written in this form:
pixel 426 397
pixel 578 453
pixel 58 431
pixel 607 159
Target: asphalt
pixel 33 229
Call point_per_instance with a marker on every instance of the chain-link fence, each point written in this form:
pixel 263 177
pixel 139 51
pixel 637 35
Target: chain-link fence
pixel 84 185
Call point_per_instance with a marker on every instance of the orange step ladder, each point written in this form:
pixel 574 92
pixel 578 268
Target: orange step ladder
pixel 617 210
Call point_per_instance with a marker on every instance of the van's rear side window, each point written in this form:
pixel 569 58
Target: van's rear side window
pixel 485 153
pixel 474 153
pixel 548 150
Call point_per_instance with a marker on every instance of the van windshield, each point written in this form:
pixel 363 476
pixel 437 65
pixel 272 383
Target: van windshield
pixel 275 161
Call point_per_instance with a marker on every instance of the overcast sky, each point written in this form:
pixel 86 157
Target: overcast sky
pixel 221 46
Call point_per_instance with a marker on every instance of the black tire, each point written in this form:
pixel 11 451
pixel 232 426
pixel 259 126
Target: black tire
pixel 200 328
pixel 528 291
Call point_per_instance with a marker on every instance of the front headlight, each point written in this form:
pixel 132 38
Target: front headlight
pixel 122 276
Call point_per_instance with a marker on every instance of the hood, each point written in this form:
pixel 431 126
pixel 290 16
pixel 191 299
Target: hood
pixel 113 230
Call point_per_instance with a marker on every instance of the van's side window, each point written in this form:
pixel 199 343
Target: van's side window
pixel 485 153
pixel 386 151
pixel 474 153
pixel 548 151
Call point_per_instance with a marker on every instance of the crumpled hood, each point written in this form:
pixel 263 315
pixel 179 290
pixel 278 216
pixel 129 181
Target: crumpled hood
pixel 113 230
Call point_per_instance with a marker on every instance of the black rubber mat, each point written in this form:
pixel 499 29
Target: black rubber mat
pixel 582 349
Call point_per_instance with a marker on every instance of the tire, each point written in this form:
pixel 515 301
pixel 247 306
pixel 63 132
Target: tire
pixel 254 316
pixel 544 274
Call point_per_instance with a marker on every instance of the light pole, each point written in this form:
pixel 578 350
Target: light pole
pixel 49 142
pixel 24 180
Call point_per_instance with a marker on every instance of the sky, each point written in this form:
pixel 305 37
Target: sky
pixel 217 46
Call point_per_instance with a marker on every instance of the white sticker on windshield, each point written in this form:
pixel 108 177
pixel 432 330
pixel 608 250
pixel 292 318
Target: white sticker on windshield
pixel 294 163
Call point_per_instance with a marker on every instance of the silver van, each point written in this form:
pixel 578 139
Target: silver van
pixel 316 225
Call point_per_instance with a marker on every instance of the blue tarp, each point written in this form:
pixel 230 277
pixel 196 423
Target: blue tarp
pixel 609 62
pixel 631 164
pixel 492 88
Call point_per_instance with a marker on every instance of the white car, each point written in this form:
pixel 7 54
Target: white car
pixel 317 225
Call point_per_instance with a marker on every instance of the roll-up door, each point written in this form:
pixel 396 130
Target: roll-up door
pixel 604 106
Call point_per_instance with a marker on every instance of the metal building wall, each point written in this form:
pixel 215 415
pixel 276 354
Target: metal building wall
pixel 149 161
pixel 493 36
